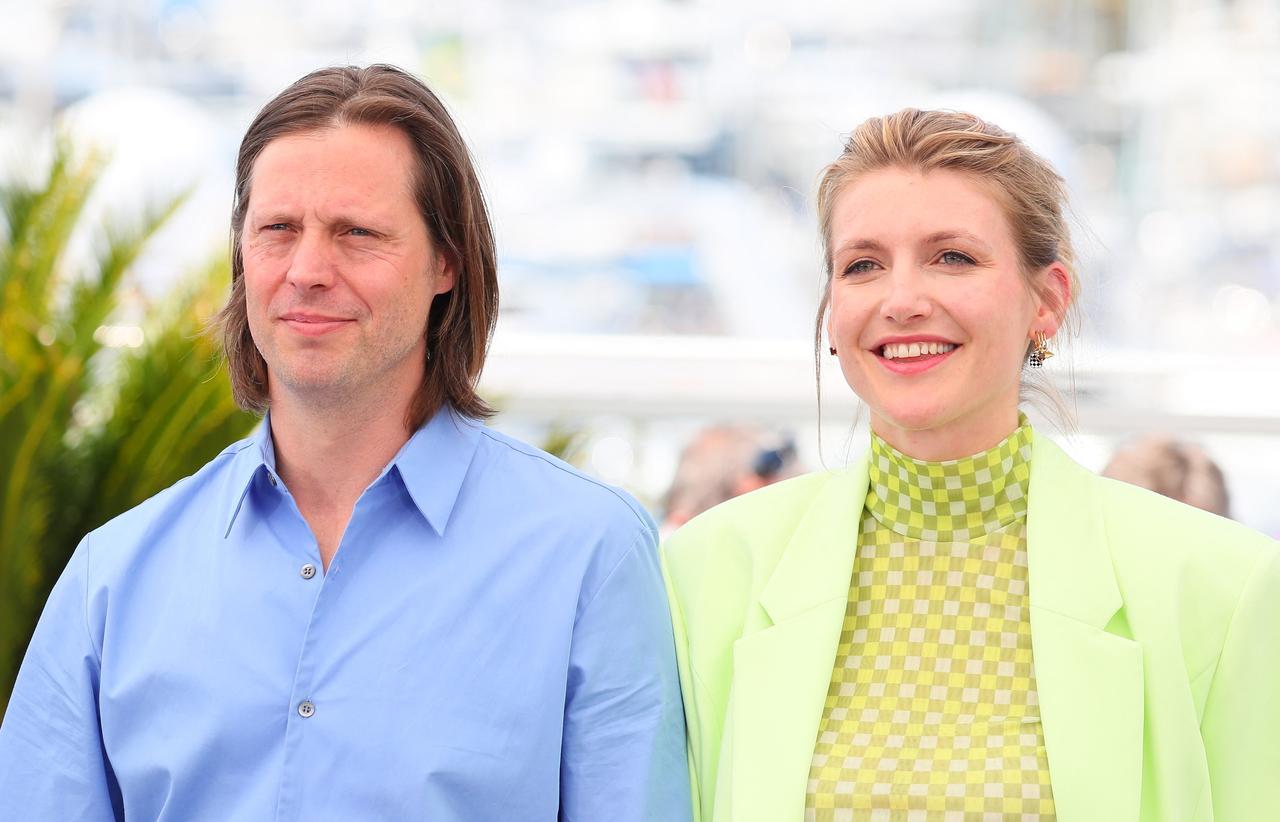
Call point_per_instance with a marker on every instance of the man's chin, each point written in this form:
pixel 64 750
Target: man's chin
pixel 311 386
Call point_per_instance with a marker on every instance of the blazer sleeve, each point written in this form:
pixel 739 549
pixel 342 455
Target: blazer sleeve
pixel 1241 721
pixel 693 728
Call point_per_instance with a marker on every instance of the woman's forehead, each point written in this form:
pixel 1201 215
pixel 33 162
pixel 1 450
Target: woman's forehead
pixel 898 205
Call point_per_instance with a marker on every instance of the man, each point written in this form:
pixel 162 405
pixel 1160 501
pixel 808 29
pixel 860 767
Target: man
pixel 375 608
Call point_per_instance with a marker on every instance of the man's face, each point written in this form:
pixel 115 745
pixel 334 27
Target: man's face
pixel 339 268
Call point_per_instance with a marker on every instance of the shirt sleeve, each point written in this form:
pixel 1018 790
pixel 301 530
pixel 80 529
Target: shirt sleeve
pixel 1241 722
pixel 623 755
pixel 52 761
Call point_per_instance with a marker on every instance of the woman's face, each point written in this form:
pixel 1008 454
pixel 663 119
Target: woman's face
pixel 930 312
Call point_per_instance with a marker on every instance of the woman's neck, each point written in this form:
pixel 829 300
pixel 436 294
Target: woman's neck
pixel 955 439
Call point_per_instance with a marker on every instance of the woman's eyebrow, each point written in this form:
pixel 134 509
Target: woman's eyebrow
pixel 863 245
pixel 945 236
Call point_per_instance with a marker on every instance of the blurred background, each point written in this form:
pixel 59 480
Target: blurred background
pixel 650 166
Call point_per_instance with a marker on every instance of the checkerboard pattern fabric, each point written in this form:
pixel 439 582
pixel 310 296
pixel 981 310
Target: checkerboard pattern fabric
pixel 932 712
pixel 953 501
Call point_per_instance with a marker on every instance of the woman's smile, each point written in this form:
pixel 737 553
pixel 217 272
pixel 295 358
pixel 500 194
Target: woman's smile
pixel 931 311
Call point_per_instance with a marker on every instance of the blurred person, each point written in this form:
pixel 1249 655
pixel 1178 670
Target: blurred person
pixel 375 608
pixel 720 463
pixel 965 623
pixel 1178 470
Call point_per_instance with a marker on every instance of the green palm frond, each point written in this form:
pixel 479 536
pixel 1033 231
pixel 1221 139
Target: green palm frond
pixel 40 222
pixel 88 431
pixel 173 408
pixel 93 299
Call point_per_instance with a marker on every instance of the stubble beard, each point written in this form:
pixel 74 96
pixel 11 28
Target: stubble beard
pixel 335 383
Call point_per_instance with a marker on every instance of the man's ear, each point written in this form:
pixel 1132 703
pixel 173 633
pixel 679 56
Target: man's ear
pixel 445 272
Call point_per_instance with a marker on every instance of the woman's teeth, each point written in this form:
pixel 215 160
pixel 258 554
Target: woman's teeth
pixel 896 351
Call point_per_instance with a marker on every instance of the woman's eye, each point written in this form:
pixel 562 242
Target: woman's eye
pixel 859 267
pixel 955 258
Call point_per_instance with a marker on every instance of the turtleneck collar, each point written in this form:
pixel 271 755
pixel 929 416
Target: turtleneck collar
pixel 951 501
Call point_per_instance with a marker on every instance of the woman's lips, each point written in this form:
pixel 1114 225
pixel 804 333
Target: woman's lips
pixel 914 365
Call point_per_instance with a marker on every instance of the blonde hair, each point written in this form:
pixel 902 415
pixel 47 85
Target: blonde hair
pixel 1032 195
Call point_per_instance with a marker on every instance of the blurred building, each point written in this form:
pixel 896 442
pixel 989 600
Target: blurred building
pixel 651 165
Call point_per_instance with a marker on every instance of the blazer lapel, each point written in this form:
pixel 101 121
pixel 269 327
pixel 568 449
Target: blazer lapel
pixel 1090 681
pixel 782 672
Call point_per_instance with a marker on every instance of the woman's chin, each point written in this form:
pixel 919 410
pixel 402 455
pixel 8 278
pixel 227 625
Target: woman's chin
pixel 909 419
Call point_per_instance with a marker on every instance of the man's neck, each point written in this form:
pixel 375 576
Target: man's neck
pixel 328 456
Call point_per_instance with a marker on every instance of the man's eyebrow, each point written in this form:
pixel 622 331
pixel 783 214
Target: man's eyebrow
pixel 273 212
pixel 284 214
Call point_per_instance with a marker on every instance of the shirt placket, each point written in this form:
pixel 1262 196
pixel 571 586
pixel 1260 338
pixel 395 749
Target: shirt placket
pixel 306 710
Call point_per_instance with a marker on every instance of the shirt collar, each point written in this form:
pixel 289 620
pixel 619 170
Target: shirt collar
pixel 431 465
pixel 256 454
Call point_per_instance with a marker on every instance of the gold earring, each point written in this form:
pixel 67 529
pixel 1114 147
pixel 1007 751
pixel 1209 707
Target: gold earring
pixel 1039 350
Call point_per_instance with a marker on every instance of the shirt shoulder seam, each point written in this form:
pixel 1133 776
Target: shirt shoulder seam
pixel 534 453
pixel 636 542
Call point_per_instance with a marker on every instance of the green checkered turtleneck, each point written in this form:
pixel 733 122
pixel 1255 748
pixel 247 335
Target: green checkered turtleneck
pixel 932 709
pixel 951 500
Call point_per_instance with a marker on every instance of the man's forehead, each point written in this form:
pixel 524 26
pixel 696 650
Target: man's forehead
pixel 352 164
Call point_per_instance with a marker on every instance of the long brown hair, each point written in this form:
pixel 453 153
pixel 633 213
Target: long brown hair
pixel 447 190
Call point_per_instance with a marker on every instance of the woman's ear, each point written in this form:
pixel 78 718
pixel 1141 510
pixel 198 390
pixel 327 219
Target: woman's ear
pixel 1054 298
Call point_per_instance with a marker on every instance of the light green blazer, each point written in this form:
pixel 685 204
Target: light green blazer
pixel 1155 629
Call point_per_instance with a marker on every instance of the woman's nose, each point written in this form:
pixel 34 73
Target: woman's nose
pixel 906 299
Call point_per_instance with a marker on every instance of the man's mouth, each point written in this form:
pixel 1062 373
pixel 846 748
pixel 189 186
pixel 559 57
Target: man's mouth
pixel 299 317
pixel 313 325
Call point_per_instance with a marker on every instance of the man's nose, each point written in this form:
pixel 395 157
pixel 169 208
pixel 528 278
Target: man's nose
pixel 907 298
pixel 312 264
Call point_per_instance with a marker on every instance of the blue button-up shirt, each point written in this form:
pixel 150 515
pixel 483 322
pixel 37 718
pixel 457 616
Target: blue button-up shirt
pixel 491 642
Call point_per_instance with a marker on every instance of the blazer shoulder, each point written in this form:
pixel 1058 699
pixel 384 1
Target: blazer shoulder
pixel 1182 568
pixel 747 531
pixel 1143 526
pixel 1160 529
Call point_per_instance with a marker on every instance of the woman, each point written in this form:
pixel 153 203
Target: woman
pixel 965 623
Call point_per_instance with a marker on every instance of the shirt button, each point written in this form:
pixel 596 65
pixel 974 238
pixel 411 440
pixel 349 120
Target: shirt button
pixel 308 571
pixel 306 708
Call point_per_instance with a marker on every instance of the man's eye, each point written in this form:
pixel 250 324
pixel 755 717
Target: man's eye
pixel 360 232
pixel 955 258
